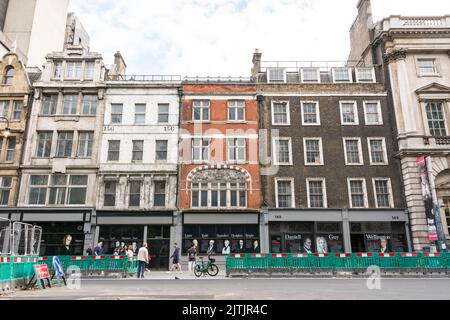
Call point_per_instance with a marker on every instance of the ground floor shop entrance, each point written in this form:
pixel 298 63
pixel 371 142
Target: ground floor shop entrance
pixel 339 231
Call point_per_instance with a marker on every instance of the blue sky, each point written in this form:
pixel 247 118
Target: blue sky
pixel 218 37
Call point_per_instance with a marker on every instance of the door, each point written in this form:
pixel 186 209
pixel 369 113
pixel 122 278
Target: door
pixel 358 244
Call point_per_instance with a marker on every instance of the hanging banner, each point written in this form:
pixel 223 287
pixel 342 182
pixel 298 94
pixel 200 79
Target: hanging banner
pixel 427 198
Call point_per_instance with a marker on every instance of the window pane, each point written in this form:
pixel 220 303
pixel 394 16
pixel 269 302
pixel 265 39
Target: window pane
pixel 436 120
pixel 163 113
pixel 161 150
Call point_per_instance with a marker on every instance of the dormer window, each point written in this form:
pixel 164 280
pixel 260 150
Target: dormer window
pixel 9 75
pixel 276 75
pixel 366 75
pixel 89 71
pixel 310 75
pixel 342 75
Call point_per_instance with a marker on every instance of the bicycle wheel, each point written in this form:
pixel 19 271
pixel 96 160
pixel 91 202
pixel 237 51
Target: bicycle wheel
pixel 213 270
pixel 198 271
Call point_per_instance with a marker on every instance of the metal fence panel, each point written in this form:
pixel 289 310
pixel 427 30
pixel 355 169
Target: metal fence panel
pixel 5 236
pixel 19 239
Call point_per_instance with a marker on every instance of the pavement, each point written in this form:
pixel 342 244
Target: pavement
pixel 163 286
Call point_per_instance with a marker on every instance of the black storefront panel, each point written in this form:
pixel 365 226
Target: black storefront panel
pixel 306 237
pixel 378 237
pixel 223 239
pixel 61 238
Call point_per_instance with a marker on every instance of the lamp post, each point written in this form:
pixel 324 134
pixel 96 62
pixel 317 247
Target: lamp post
pixel 7 130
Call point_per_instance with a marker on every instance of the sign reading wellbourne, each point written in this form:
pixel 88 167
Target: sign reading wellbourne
pixel 427 198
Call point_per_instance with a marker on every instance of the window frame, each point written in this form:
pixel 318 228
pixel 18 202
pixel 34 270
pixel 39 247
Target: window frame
pixel 390 196
pixel 324 192
pixel 288 113
pixel 116 183
pixel 321 162
pixel 201 147
pixel 8 78
pixel 380 114
pixel 269 79
pixel 115 151
pixel 58 133
pixel 129 187
pixel 166 151
pixel 302 107
pixel 88 141
pixel 365 196
pixel 302 77
pixel 443 107
pixel 140 114
pixel 349 72
pixel 236 147
pixel 156 194
pixel 92 101
pixel 435 61
pixel 202 107
pixel 275 151
pixel 163 114
pixel 71 106
pixel 358 80
pixel 48 141
pixel 116 114
pixel 236 107
pixel 385 156
pixel 291 181
pixel 74 75
pixel 5 189
pixel 355 110
pixel 361 157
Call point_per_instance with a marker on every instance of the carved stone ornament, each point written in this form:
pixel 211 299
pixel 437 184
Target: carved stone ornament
pixel 219 175
pixel 392 55
pixel 37 94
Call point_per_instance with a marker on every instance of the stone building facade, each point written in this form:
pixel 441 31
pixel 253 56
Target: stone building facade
pixel 329 177
pixel 413 59
pixel 15 102
pixel 219 178
pixel 60 163
pixel 137 183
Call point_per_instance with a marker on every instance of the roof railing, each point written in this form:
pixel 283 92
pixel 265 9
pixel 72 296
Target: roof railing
pixel 149 78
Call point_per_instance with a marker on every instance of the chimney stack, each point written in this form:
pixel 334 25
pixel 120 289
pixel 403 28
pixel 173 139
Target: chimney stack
pixel 256 64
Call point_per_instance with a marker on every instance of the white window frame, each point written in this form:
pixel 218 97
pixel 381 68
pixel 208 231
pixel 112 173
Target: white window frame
pixel 288 113
pixel 201 149
pixel 276 81
pixel 324 192
pixel 364 186
pixel 444 105
pixel 235 148
pixel 435 64
pixel 291 180
pixel 317 113
pixel 355 109
pixel 391 197
pixel 202 107
pixel 349 71
pixel 358 80
pixel 275 151
pixel 136 113
pixel 236 107
pixel 361 157
pixel 386 161
pixel 380 115
pixel 302 78
pixel 320 150
pixel 74 75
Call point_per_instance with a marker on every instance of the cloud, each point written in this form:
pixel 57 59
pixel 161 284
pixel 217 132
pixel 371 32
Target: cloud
pixel 218 37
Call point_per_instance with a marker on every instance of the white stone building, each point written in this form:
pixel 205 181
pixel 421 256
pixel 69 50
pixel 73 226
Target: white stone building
pixel 137 183
pixel 61 155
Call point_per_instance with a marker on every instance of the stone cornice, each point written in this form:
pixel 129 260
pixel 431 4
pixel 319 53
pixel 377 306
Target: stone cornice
pixel 392 55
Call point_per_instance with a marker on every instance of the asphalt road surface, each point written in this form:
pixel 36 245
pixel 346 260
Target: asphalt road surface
pixel 248 289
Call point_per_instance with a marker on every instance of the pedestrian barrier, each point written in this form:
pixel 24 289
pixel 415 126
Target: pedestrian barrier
pixel 355 262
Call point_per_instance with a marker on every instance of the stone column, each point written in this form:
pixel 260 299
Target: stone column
pixel 346 231
pixel 264 231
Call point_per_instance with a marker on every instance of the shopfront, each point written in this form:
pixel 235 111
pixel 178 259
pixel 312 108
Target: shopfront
pixel 116 230
pixel 325 231
pixel 64 231
pixel 222 234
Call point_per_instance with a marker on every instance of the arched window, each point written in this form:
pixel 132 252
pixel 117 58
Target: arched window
pixel 9 75
pixel 219 188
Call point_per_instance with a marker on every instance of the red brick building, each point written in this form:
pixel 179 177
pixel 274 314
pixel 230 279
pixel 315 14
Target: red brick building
pixel 219 179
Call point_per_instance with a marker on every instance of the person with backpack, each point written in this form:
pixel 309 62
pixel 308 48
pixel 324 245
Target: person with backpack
pixel 176 258
pixel 192 257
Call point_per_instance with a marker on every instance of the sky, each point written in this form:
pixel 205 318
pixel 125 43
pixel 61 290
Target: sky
pixel 218 37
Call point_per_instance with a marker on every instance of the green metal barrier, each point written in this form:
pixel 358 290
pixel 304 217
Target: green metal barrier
pixel 339 261
pixel 5 269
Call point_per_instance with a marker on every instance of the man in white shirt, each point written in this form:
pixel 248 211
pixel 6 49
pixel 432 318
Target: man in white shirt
pixel 142 260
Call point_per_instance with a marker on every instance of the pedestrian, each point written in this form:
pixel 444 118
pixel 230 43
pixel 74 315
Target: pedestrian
pixel 192 257
pixel 176 258
pixel 142 260
pixel 130 253
pixel 98 250
pixel 89 250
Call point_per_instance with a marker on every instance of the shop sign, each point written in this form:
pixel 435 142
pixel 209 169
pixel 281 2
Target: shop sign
pixel 222 235
pixel 189 236
pixel 250 235
pixel 237 235
pixel 333 237
pixel 205 235
pixel 377 237
pixel 293 237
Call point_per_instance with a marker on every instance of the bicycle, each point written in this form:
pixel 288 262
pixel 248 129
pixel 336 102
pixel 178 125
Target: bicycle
pixel 203 268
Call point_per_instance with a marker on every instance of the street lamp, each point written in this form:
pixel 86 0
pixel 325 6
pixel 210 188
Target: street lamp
pixel 7 130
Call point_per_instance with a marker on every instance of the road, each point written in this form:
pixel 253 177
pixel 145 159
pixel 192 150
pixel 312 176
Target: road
pixel 243 289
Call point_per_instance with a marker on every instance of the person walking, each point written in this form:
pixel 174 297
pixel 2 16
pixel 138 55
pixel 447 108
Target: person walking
pixel 142 260
pixel 89 251
pixel 130 258
pixel 176 258
pixel 98 250
pixel 192 257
